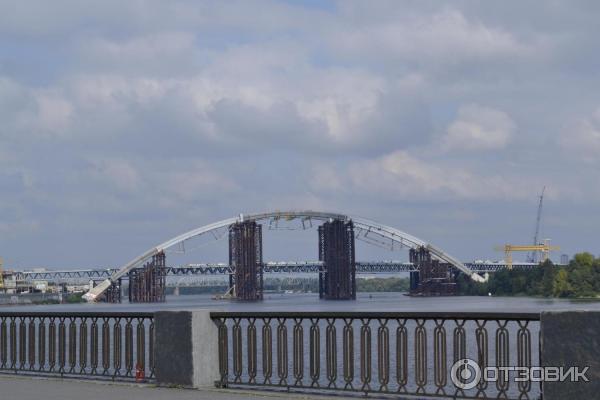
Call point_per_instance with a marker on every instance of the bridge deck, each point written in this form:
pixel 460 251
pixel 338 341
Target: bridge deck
pixel 362 267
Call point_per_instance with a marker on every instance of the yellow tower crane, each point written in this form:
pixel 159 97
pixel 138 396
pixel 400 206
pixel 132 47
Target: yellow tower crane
pixel 543 248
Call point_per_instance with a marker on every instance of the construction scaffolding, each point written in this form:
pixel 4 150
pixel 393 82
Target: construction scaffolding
pixel 147 284
pixel 245 261
pixel 432 278
pixel 113 293
pixel 337 274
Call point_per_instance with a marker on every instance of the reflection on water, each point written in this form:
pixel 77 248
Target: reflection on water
pixel 311 302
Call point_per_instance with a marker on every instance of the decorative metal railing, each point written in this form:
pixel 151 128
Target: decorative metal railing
pixel 401 353
pixel 117 346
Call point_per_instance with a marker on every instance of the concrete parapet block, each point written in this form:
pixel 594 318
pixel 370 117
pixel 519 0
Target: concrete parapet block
pixel 571 339
pixel 186 349
pixel 206 349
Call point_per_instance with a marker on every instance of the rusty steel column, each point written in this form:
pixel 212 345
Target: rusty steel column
pixel 322 269
pixel 113 293
pixel 432 278
pixel 148 283
pixel 245 260
pixel 337 274
pixel 159 277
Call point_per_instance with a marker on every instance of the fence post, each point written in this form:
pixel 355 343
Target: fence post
pixel 186 349
pixel 571 339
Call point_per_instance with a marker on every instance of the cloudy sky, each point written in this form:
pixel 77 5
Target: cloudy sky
pixel 126 123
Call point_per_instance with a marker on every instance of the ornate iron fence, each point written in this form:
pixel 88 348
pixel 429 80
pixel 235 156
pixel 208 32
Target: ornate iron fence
pixel 400 353
pixel 117 346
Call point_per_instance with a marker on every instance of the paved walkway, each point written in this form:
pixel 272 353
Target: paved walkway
pixel 30 388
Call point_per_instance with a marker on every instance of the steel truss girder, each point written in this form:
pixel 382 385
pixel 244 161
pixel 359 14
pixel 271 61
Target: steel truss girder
pixel 362 267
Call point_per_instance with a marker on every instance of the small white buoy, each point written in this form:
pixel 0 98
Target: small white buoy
pixel 490 294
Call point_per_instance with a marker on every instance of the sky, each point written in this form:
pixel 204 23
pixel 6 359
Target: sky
pixel 124 124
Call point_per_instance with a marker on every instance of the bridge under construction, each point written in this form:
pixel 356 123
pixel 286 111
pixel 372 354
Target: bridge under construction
pixel 431 269
pixel 336 249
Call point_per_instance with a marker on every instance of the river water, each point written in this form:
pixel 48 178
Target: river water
pixel 311 302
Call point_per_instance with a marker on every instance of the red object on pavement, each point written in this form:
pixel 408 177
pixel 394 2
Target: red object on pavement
pixel 140 375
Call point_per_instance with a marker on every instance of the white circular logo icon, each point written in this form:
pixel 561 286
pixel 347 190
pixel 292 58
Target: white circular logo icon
pixel 465 374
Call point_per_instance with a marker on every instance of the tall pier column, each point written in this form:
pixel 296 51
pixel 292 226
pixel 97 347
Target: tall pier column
pixel 432 278
pixel 245 260
pixel 113 293
pixel 337 277
pixel 147 284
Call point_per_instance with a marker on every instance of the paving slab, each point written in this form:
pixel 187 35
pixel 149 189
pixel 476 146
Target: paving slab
pixel 33 388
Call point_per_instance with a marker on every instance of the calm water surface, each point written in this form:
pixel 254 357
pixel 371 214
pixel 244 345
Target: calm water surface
pixel 311 302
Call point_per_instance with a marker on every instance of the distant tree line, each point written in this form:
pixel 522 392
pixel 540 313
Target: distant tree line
pixel 383 285
pixel 306 285
pixel 579 279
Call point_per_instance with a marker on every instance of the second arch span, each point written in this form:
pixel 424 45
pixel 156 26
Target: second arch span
pixel 368 226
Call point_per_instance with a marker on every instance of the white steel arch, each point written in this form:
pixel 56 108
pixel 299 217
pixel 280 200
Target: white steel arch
pixel 369 226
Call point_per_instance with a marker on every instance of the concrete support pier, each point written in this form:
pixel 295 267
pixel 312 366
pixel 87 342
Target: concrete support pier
pixel 571 339
pixel 186 349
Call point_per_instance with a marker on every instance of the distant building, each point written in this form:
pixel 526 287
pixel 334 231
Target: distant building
pixel 40 286
pixel 12 285
pixel 564 259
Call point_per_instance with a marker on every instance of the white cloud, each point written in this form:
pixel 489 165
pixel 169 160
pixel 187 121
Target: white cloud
pixel 444 36
pixel 583 138
pixel 194 182
pixel 118 173
pixel 143 48
pixel 343 100
pixel 111 91
pixel 404 176
pixel 479 128
pixel 120 114
pixel 33 111
pixel 54 112
pixel 339 102
pixel 325 178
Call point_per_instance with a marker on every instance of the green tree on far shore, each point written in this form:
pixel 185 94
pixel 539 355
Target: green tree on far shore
pixel 546 286
pixel 581 278
pixel 561 286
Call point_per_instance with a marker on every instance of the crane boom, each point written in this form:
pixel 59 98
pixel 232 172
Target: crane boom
pixel 533 255
pixel 1 274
